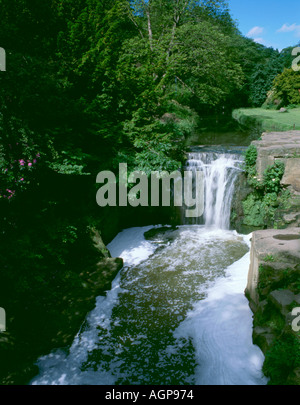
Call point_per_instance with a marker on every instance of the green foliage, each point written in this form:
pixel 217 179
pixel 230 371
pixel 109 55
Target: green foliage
pixel 91 84
pixel 191 52
pixel 272 178
pixel 282 355
pixel 269 258
pixel 260 210
pixel 70 163
pixel 260 66
pixel 261 81
pixel 260 206
pixel 250 161
pixel 19 156
pixel 284 279
pixel 282 358
pixel 253 212
pixel 287 87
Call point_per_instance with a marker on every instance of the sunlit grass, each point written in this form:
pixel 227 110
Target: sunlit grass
pixel 269 120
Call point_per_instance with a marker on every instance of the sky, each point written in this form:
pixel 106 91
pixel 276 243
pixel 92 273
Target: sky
pixel 273 23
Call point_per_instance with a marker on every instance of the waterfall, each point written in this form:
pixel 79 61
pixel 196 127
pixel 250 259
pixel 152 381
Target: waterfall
pixel 220 173
pixel 176 313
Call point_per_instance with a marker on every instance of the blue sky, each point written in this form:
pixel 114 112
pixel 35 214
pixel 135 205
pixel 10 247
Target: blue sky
pixel 273 23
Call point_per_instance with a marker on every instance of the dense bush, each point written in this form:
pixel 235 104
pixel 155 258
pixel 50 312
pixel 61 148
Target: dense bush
pixel 287 87
pixel 261 206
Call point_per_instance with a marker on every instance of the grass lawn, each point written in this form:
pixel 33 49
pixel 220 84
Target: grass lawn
pixel 268 120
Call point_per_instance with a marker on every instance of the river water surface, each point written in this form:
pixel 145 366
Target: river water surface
pixel 176 314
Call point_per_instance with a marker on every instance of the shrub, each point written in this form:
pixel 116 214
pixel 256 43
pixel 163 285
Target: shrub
pixel 287 86
pixel 273 176
pixel 282 358
pixel 250 159
pixel 261 205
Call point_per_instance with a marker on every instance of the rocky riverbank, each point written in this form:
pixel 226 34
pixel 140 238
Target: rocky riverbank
pixel 52 321
pixel 273 291
pixel 273 287
pixel 269 189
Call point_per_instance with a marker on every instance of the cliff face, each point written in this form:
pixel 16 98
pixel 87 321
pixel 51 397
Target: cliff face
pixel 273 287
pixel 273 293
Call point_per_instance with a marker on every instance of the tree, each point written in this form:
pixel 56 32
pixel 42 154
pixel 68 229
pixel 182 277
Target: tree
pixel 259 64
pixel 262 79
pixel 177 60
pixel 287 87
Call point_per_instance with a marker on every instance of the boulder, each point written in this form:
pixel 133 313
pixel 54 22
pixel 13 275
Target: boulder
pixel 275 146
pixel 279 249
pixel 263 337
pixel 284 147
pixel 291 175
pixel 282 299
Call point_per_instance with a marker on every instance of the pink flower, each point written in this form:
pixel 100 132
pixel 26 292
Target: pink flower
pixel 11 194
pixel 38 155
pixel 22 162
pixel 22 179
pixel 34 160
pixel 29 164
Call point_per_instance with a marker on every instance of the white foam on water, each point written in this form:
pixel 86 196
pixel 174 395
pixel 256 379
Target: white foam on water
pixel 221 329
pixel 131 245
pixel 220 325
pixel 64 368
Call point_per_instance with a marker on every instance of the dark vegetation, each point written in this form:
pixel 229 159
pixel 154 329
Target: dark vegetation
pixel 282 347
pixel 263 206
pixel 91 84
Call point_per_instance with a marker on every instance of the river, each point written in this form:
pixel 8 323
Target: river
pixel 176 313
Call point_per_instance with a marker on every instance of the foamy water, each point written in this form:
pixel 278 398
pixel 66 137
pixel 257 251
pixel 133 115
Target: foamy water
pixel 176 313
pixel 221 329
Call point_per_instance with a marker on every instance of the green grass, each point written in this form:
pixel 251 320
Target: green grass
pixel 268 120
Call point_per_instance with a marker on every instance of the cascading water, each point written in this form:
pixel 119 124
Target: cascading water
pixel 220 172
pixel 176 313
